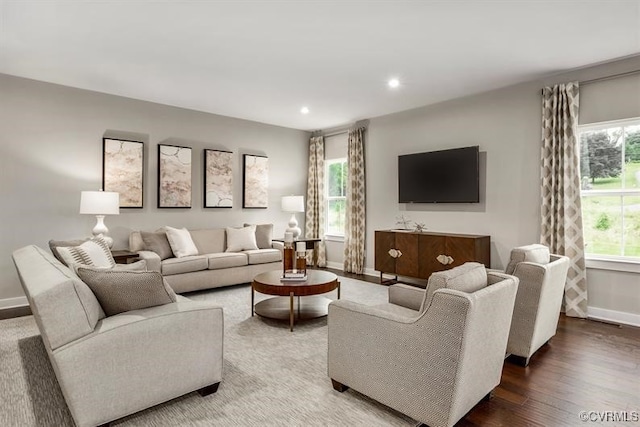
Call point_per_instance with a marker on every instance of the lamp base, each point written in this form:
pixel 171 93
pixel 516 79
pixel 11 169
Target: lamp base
pixel 293 227
pixel 101 230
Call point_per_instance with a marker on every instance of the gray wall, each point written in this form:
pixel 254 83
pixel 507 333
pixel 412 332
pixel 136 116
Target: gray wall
pixel 51 149
pixel 506 124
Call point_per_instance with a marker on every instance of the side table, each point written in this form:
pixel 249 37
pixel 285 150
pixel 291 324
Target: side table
pixel 124 257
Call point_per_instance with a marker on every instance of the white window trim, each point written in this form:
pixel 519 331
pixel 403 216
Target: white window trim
pixel 329 236
pixel 611 262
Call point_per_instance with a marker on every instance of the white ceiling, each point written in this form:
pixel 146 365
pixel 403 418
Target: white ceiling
pixel 264 60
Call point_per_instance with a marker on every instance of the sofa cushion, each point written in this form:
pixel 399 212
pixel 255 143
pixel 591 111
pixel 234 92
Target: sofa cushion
pixel 241 239
pixel 530 253
pixel 469 277
pixel 209 240
pixel 158 243
pixel 118 291
pixel 227 260
pixel 184 265
pixel 181 242
pixel 263 256
pixel 94 252
pixel 264 235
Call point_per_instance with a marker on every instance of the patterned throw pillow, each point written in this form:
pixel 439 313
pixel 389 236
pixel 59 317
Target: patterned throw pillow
pixel 94 252
pixel 118 291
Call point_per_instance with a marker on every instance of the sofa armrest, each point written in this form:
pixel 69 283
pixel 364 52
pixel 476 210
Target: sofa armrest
pixel 155 354
pixel 152 259
pixel 406 296
pixel 278 245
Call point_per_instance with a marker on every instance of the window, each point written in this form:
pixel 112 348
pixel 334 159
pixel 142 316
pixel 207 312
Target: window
pixel 610 189
pixel 336 192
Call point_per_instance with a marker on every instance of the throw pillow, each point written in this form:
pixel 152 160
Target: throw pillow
pixel 181 242
pixel 134 266
pixel 54 244
pixel 264 235
pixel 241 239
pixel 94 252
pixel 158 243
pixel 119 291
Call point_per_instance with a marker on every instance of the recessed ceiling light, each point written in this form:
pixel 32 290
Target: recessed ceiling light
pixel 304 110
pixel 393 83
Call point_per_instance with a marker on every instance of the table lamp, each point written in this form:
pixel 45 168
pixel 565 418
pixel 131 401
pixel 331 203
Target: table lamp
pixel 100 203
pixel 293 204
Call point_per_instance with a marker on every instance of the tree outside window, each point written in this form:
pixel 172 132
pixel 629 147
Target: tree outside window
pixel 336 188
pixel 610 181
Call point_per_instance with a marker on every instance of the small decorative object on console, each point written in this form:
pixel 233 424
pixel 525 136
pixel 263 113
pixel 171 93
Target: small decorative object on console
pixel 403 222
pixel 420 227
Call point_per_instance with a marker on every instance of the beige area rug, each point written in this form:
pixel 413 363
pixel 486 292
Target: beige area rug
pixel 272 377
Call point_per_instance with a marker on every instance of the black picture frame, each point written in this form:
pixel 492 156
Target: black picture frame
pixel 174 176
pixel 255 181
pixel 123 170
pixel 218 179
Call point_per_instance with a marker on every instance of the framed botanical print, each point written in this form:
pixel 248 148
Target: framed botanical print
pixel 255 181
pixel 174 176
pixel 123 170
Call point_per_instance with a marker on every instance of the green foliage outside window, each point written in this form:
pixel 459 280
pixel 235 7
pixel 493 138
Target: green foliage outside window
pixel 610 177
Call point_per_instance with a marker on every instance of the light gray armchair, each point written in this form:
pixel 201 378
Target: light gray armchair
pixel 110 367
pixel 431 354
pixel 535 315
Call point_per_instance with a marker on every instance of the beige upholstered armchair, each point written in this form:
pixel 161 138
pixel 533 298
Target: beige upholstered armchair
pixel 535 316
pixel 431 354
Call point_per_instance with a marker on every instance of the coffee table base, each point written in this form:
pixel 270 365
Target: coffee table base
pixel 306 307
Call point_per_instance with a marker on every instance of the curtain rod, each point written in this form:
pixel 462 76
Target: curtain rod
pixel 613 76
pixel 339 131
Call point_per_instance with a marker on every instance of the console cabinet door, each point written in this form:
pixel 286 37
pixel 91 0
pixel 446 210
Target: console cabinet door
pixel 385 241
pixel 430 247
pixel 468 249
pixel 407 263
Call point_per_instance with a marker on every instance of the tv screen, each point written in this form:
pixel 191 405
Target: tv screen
pixel 447 176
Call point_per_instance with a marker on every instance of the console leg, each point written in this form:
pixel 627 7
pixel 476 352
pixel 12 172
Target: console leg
pixel 210 389
pixel 338 386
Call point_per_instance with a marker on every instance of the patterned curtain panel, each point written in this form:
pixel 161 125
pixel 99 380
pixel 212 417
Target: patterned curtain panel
pixel 354 234
pixel 561 208
pixel 314 213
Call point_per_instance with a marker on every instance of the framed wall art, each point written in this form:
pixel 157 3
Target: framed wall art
pixel 174 176
pixel 255 181
pixel 122 170
pixel 218 179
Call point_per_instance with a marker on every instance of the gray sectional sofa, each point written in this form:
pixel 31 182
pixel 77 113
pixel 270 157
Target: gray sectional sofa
pixel 213 266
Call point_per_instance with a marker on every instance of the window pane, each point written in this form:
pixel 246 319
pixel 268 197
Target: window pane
pixel 335 216
pixel 602 223
pixel 631 226
pixel 335 180
pixel 601 159
pixel 632 157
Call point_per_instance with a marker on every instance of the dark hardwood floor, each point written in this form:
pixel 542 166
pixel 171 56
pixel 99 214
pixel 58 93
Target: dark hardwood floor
pixel 587 366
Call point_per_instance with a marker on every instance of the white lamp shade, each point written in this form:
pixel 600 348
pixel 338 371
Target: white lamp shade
pixel 100 202
pixel 293 204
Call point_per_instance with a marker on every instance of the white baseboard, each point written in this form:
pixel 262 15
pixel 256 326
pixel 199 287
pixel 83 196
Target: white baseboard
pixel 613 316
pixel 13 302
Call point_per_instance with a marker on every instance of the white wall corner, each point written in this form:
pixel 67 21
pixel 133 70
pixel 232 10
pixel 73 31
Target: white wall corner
pixel 614 316
pixel 13 302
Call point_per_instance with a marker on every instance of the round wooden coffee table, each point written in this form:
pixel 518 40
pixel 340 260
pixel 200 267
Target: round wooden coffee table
pixel 282 307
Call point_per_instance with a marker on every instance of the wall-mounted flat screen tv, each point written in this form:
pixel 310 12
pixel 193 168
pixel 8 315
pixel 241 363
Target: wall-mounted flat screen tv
pixel 446 176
